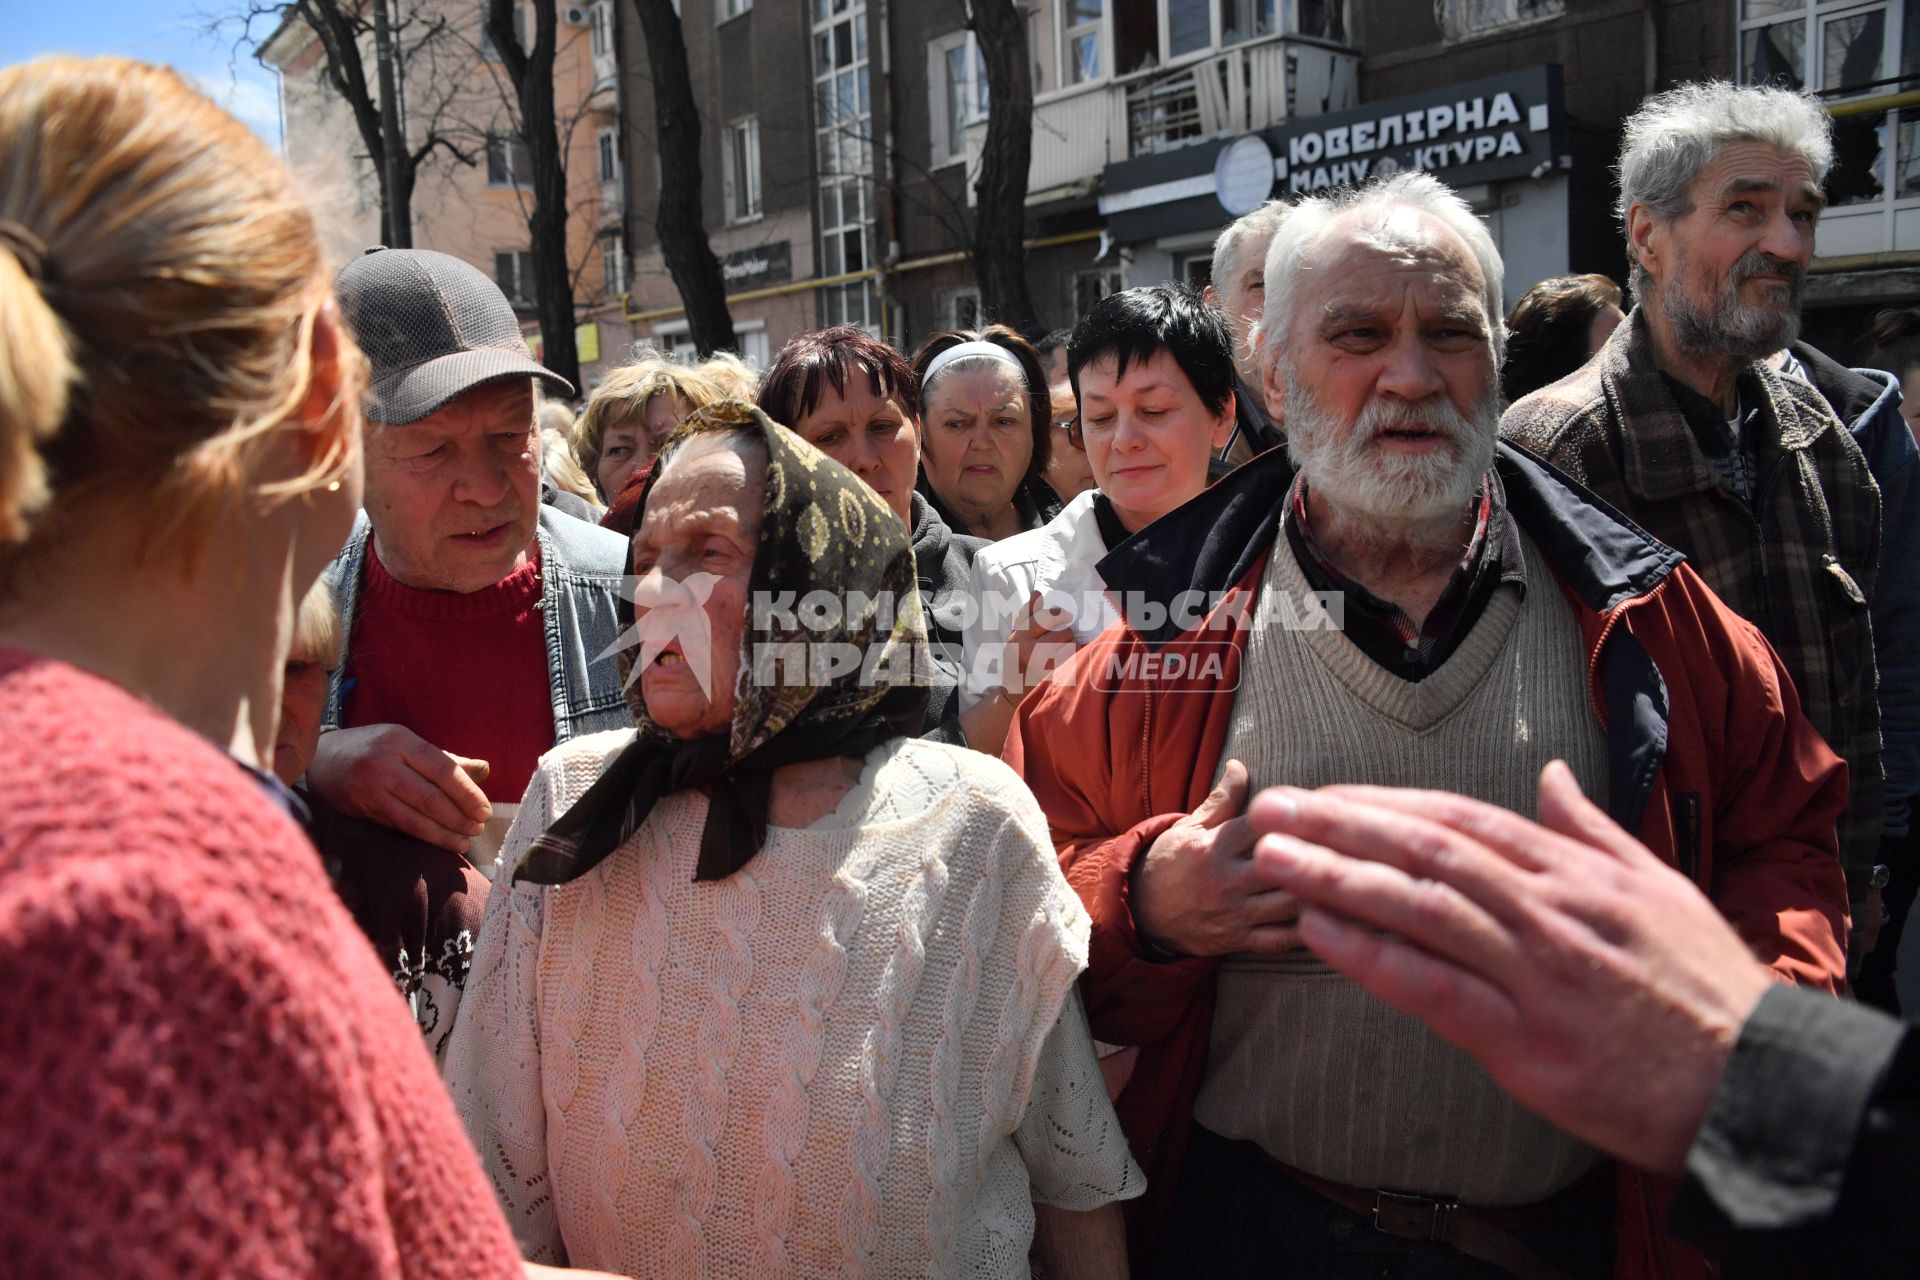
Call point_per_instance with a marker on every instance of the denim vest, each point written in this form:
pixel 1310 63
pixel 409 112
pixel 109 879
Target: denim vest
pixel 580 569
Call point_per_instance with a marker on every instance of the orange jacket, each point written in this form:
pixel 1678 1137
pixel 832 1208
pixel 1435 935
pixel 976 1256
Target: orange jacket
pixel 1710 761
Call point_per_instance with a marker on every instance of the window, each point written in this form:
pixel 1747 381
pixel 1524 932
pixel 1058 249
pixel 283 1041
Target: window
pixel 1461 19
pixel 613 264
pixel 957 72
pixel 1080 39
pixel 1189 27
pixel 602 20
pixel 507 162
pixel 1091 286
pixel 1843 49
pixel 1139 35
pixel 724 9
pixel 1250 19
pixel 1326 19
pixel 513 272
pixel 609 144
pixel 843 159
pixel 742 169
pixel 958 308
pixel 753 346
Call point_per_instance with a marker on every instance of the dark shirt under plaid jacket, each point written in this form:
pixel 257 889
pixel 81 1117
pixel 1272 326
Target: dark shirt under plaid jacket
pixel 1796 554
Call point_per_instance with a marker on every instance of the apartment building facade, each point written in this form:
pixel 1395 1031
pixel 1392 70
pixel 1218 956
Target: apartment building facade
pixel 472 198
pixel 841 140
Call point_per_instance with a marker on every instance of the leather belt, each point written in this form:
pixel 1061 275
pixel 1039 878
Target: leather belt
pixel 1481 1234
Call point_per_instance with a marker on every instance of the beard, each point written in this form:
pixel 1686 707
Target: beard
pixel 1731 327
pixel 1389 496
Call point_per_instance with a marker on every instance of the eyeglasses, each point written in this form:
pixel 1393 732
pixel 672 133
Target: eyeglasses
pixel 1072 427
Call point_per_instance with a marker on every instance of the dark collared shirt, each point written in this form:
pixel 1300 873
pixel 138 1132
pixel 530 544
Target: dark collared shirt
pixel 1383 630
pixel 1730 451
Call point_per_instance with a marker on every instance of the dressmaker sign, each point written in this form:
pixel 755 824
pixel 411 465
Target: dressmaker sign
pixel 756 268
pixel 1500 128
pixel 1484 131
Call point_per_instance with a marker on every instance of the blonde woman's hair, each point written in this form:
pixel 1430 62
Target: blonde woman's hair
pixel 159 284
pixel 563 469
pixel 624 394
pixel 733 376
pixel 555 416
pixel 316 628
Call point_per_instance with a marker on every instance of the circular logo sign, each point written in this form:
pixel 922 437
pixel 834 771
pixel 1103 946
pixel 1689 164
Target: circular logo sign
pixel 1243 174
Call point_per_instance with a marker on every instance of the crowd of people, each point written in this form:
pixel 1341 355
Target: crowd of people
pixel 1321 778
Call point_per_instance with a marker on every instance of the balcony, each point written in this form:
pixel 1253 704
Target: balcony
pixel 1078 133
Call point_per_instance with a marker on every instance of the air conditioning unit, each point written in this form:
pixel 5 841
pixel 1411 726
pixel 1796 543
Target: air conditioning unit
pixel 578 15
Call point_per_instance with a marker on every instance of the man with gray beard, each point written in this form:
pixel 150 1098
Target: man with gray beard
pixel 1683 424
pixel 1416 605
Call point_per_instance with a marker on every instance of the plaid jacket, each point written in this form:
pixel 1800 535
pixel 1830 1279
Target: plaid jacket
pixel 1799 563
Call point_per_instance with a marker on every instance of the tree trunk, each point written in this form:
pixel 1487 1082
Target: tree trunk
pixel 531 72
pixel 376 117
pixel 679 221
pixel 1000 224
pixel 396 214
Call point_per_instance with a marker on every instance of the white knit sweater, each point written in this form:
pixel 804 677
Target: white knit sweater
pixel 836 1061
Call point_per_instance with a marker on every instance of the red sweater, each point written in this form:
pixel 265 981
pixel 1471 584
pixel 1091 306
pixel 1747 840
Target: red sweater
pixel 467 672
pixel 207 1072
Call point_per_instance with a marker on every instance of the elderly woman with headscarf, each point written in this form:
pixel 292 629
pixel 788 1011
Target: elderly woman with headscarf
pixel 857 400
pixel 782 989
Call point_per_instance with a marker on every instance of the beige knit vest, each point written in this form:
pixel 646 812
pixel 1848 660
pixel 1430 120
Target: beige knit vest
pixel 1323 1076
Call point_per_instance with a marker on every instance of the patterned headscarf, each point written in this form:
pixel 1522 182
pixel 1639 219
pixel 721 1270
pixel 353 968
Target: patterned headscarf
pixel 822 530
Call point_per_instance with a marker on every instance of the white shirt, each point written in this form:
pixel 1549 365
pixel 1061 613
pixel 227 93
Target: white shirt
pixel 860 1054
pixel 1061 559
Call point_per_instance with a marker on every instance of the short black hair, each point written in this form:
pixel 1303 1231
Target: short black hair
pixel 1135 324
pixel 1052 342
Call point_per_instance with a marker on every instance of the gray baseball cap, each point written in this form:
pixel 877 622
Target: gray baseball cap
pixel 434 328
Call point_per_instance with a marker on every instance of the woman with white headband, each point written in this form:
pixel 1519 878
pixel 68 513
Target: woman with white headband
pixel 984 433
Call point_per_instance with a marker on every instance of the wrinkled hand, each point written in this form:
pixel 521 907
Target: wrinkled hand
pixel 1595 983
pixel 1197 890
pixel 389 774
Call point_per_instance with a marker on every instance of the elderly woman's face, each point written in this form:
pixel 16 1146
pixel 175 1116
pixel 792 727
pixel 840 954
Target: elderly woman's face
pixel 979 438
pixel 693 554
pixel 633 443
pixel 871 436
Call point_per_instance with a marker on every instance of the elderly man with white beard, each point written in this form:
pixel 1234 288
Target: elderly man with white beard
pixel 1421 607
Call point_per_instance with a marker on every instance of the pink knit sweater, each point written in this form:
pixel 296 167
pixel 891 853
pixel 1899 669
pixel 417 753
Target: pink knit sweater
pixel 203 1068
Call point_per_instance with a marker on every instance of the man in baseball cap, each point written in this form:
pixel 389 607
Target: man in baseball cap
pixel 473 614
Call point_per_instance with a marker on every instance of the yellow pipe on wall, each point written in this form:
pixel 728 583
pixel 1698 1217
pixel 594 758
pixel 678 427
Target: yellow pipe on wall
pixel 826 282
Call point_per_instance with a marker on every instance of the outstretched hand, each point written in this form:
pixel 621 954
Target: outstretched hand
pixel 1595 983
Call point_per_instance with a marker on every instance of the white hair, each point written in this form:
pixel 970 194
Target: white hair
pixel 1676 134
pixel 1258 225
pixel 738 438
pixel 1368 206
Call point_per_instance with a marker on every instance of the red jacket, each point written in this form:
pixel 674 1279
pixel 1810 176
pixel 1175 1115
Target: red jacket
pixel 1710 762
